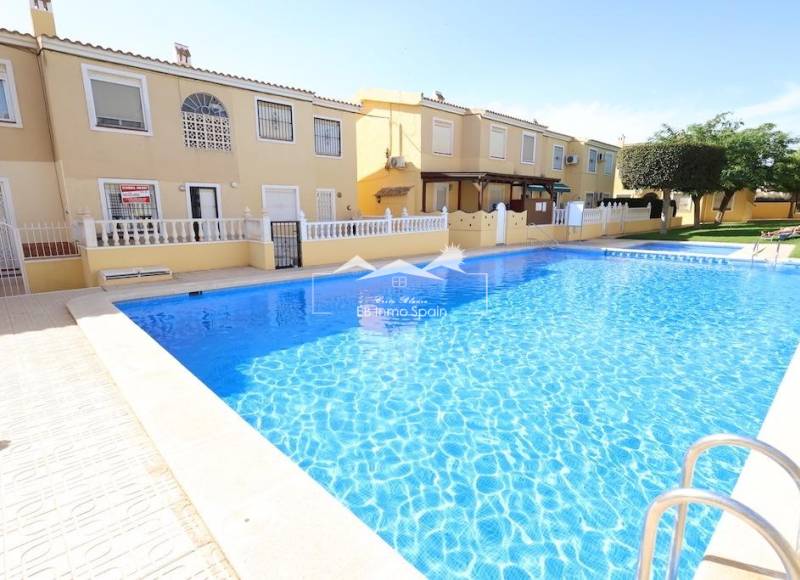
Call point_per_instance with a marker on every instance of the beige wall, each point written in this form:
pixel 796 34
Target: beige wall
pixel 56 274
pixel 392 246
pixel 84 155
pixel 26 158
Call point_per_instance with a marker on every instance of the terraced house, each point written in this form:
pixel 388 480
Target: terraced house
pixel 117 167
pixel 424 153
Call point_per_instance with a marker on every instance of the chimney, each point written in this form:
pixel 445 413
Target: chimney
pixel 42 16
pixel 182 55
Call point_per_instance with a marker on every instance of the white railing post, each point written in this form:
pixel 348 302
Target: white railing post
pixel 388 216
pixel 444 219
pixel 266 227
pixel 88 230
pixel 303 227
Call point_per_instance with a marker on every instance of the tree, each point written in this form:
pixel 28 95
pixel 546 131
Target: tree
pixel 750 153
pixel 668 165
pixel 786 178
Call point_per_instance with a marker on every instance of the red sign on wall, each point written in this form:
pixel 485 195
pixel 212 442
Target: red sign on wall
pixel 135 193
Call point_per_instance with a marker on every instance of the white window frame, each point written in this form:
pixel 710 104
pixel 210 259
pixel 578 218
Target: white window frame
pixel 608 163
pixel 589 160
pixel 522 148
pixel 90 71
pixel 5 185
pixel 104 203
pixel 324 118
pixel 563 156
pixel 11 95
pixel 218 191
pixel 492 127
pixel 294 188
pixel 332 190
pixel 271 99
pixel 452 136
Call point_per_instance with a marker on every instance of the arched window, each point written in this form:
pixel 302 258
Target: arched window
pixel 205 123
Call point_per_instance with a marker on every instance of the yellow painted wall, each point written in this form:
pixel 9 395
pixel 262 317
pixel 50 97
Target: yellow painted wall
pixel 322 252
pixel 472 230
pixel 516 227
pixel 547 233
pixel 177 257
pixel 261 255
pixel 57 274
pixel 26 157
pixel 84 155
pixel 771 210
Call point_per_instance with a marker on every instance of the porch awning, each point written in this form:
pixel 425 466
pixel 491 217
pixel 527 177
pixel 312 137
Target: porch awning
pixel 557 187
pixel 393 191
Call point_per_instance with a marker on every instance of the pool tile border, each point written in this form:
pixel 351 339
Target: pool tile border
pixel 267 515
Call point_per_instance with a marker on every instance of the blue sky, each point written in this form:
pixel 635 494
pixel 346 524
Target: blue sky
pixel 596 68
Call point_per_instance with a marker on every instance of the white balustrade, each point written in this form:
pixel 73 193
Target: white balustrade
pixel 559 217
pixel 365 228
pixel 636 214
pixel 146 232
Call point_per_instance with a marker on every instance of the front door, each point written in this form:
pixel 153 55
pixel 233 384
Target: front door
pixel 280 202
pixel 326 209
pixel 203 201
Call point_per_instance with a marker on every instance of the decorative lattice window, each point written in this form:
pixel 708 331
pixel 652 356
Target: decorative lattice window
pixel 205 123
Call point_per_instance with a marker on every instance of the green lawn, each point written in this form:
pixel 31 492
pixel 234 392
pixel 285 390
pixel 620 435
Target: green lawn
pixel 739 232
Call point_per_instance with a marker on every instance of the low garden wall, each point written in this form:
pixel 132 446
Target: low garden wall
pixel 54 274
pixel 339 251
pixel 773 210
pixel 472 230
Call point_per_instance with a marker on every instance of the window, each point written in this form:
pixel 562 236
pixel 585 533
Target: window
pixel 528 154
pixel 718 201
pixel 205 123
pixel 275 121
pixel 591 162
pixel 558 157
pixel 440 200
pixel 442 137
pixel 9 112
pixel 129 200
pixel 116 101
pixel 608 166
pixel 497 142
pixel 327 137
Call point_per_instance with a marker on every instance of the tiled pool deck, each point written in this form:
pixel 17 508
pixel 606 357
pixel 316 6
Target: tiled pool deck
pixel 84 492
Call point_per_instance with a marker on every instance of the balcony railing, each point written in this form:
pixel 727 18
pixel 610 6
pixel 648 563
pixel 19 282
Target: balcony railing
pixel 365 228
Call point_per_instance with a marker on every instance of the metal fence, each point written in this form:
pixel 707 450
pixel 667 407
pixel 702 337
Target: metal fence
pixel 12 273
pixel 48 240
pixel 286 239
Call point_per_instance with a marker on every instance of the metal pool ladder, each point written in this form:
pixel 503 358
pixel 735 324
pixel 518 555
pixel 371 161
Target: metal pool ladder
pixel 686 495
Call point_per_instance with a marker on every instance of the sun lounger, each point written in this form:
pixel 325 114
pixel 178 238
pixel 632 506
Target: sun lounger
pixel 782 234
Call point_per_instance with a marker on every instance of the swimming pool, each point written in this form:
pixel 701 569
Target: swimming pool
pixel 519 436
pixel 693 248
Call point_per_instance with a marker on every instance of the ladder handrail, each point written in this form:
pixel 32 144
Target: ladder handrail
pixel 687 477
pixel 684 496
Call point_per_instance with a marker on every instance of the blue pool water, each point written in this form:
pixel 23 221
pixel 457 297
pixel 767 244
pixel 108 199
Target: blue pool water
pixel 517 436
pixel 693 248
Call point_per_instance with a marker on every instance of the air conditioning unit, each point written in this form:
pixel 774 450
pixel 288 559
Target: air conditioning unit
pixel 572 160
pixel 397 162
pixel 601 157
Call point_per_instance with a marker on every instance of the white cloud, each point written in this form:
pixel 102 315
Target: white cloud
pixel 608 122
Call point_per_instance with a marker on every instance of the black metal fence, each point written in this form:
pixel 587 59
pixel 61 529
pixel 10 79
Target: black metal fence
pixel 286 239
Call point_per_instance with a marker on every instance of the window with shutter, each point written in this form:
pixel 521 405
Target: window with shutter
pixel 528 148
pixel 608 165
pixel 591 161
pixel 116 100
pixel 442 137
pixel 497 142
pixel 558 157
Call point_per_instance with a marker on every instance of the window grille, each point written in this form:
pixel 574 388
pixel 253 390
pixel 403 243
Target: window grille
pixel 327 137
pixel 117 210
pixel 275 121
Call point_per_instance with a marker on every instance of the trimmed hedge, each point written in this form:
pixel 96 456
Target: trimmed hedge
pixel 679 166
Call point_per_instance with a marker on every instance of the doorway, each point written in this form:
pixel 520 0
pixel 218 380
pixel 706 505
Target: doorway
pixel 204 204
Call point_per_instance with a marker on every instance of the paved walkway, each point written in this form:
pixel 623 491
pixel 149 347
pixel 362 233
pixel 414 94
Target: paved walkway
pixel 83 492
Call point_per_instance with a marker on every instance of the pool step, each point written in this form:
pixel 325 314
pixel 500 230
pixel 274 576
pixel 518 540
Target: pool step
pixel 649 255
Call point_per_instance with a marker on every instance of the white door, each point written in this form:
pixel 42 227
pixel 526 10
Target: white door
pixel 204 202
pixel 326 208
pixel 280 202
pixel 9 260
pixel 501 223
pixel 442 189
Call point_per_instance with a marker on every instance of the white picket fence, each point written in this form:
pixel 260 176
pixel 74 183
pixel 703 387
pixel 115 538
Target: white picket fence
pixel 365 228
pixel 612 213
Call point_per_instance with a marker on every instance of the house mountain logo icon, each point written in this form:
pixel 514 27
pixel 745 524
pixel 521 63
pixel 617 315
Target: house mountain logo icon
pixel 451 258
